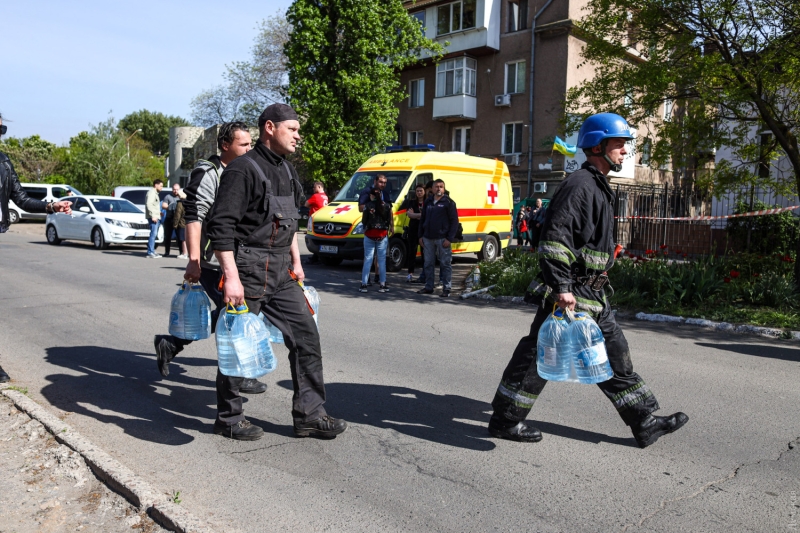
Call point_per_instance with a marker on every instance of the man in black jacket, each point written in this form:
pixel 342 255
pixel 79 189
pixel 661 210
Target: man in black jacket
pixel 253 230
pixel 577 249
pixel 437 230
pixel 10 189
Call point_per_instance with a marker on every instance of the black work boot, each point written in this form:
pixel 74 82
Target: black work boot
pixel 651 428
pixel 3 376
pixel 502 428
pixel 252 386
pixel 326 427
pixel 166 350
pixel 244 430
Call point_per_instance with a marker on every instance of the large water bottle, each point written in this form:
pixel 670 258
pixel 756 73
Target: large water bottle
pixel 176 322
pixel 312 297
pixel 590 361
pixel 196 315
pixel 554 352
pixel 243 344
pixel 275 335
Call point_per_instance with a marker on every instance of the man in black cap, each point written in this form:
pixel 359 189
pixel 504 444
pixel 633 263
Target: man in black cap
pixel 253 230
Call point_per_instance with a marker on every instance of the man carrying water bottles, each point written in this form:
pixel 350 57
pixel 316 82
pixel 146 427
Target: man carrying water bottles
pixel 577 249
pixel 253 230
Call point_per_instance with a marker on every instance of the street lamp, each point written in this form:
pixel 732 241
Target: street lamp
pixel 127 141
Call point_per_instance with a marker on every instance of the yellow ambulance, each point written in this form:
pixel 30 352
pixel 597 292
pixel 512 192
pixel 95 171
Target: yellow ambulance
pixel 480 187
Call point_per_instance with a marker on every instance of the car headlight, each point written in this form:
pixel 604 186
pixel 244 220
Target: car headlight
pixel 120 223
pixel 359 229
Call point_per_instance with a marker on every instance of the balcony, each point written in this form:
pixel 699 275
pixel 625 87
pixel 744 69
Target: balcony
pixel 454 108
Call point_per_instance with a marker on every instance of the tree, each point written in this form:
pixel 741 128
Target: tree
pixel 34 158
pixel 250 85
pixel 98 160
pixel 344 62
pixel 155 128
pixel 731 67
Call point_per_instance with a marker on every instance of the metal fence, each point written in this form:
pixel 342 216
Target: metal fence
pixel 645 217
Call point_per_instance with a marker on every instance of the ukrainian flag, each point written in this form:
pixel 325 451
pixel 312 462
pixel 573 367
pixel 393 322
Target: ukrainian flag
pixel 564 148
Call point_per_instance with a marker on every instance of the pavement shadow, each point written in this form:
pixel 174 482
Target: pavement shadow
pixel 444 419
pixel 124 388
pixel 771 352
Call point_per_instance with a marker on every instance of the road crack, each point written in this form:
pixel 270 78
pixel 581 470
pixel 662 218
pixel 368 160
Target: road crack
pixel 263 448
pixel 663 505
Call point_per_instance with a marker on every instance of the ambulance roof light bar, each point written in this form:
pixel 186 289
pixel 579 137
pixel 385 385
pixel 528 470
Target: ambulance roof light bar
pixel 411 148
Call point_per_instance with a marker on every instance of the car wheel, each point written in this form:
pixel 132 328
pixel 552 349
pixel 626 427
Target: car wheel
pixel 52 235
pixel 331 261
pixel 395 255
pixel 13 216
pixel 490 250
pixel 98 240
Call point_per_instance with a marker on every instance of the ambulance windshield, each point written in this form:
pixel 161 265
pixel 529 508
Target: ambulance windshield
pixel 362 180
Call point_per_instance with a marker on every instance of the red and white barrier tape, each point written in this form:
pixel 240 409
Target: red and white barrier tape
pixel 750 214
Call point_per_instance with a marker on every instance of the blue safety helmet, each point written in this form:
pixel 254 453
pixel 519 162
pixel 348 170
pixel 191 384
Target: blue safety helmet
pixel 602 126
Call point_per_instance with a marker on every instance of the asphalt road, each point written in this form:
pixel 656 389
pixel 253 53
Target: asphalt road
pixel 414 376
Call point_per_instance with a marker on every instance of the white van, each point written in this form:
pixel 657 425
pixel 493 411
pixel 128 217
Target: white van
pixel 48 192
pixel 137 195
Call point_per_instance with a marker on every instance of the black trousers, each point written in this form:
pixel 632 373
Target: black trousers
pixel 169 222
pixel 269 288
pixel 411 254
pixel 521 384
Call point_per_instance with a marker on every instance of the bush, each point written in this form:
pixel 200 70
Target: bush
pixel 768 234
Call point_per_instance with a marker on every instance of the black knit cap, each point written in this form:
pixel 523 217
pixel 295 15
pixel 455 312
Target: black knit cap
pixel 276 113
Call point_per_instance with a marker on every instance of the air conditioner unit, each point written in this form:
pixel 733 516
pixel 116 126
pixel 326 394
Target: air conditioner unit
pixel 540 186
pixel 502 100
pixel 512 160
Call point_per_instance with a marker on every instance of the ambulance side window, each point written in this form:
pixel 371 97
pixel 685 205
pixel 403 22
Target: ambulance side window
pixel 421 179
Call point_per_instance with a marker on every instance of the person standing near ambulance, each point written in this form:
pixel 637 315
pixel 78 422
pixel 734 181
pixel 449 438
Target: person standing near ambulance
pixel 577 249
pixel 253 229
pixel 317 201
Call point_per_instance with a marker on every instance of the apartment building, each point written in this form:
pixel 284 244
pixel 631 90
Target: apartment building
pixel 478 98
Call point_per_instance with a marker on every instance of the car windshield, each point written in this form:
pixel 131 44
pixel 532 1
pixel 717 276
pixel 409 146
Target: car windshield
pixel 102 205
pixel 395 181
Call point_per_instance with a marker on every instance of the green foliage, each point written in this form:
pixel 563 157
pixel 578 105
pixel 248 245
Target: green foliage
pixel 155 128
pixel 34 158
pixel 344 63
pixel 767 234
pixel 511 274
pixel 730 67
pixel 98 160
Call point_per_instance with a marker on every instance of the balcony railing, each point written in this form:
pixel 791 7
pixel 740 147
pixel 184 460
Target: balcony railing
pixel 457 107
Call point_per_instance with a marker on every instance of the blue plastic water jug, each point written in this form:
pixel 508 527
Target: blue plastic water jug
pixel 196 315
pixel 176 323
pixel 590 361
pixel 554 353
pixel 312 297
pixel 275 335
pixel 243 344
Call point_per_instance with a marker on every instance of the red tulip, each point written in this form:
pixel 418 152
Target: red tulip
pixel 734 274
pixel 726 279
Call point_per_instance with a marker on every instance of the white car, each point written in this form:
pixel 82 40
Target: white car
pixel 137 195
pixel 102 220
pixel 46 192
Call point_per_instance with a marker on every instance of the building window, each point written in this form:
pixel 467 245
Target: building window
pixel 461 138
pixel 415 137
pixel 515 77
pixel 416 93
pixel 668 105
pixel 456 76
pixel 644 152
pixel 517 15
pixel 455 16
pixel 512 138
pixel 420 17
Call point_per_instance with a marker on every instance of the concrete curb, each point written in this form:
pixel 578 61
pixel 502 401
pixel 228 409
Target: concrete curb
pixel 115 475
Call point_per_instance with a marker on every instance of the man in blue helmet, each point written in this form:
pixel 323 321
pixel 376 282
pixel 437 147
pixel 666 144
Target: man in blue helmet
pixel 577 249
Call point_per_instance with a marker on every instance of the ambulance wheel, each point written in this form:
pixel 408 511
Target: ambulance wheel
pixel 395 255
pixel 331 261
pixel 490 250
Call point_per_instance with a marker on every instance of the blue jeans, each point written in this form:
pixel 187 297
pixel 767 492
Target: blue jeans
pixel 369 251
pixel 433 249
pixel 151 242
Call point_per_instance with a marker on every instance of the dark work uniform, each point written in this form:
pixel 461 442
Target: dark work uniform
pixel 577 240
pixel 255 216
pixel 412 205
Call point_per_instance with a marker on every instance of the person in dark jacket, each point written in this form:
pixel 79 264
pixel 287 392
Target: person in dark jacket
pixel 253 229
pixel 10 189
pixel 378 224
pixel 577 249
pixel 536 222
pixel 437 230
pixel 413 208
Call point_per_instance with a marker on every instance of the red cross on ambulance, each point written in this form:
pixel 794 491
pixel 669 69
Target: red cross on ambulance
pixel 491 193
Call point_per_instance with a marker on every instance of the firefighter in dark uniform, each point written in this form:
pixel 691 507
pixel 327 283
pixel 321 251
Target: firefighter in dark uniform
pixel 253 231
pixel 577 248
